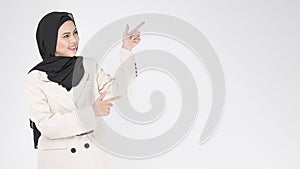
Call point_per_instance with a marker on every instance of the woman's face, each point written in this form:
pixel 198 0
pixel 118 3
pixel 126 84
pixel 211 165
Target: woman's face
pixel 67 40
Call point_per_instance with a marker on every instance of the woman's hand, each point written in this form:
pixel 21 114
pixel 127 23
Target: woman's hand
pixel 132 38
pixel 102 107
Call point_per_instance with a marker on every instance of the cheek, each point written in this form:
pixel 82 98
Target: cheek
pixel 61 46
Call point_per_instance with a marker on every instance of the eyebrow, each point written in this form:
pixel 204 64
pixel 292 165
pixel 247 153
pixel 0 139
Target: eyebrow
pixel 67 33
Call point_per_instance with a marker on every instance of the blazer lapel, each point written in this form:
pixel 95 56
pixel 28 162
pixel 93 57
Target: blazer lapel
pixel 77 90
pixel 60 95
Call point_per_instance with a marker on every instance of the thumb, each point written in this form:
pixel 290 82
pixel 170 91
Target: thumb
pixel 102 95
pixel 126 30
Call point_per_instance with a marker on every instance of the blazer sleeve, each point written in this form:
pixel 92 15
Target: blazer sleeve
pixel 105 81
pixel 125 54
pixel 52 125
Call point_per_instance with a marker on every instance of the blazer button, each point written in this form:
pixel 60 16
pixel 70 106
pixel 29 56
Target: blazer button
pixel 86 145
pixel 73 150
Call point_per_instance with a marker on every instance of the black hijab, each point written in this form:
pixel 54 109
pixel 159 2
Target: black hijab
pixel 64 70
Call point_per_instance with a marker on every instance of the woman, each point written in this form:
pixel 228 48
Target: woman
pixel 64 90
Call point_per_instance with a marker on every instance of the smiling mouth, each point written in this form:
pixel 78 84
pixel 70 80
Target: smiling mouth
pixel 73 48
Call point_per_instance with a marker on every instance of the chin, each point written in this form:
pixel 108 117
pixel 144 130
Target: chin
pixel 71 54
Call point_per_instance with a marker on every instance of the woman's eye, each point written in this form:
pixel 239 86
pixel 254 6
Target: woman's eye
pixel 75 32
pixel 65 36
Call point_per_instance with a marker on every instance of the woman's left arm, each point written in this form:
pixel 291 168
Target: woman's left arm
pixel 130 40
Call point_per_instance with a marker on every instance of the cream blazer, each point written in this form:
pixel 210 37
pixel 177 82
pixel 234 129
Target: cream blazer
pixel 61 115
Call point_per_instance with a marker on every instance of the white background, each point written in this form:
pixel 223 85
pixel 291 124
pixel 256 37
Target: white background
pixel 257 42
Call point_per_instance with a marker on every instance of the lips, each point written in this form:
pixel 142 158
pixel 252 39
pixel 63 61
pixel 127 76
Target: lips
pixel 73 48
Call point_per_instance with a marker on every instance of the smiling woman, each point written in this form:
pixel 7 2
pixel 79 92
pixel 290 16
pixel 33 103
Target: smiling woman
pixel 67 40
pixel 63 141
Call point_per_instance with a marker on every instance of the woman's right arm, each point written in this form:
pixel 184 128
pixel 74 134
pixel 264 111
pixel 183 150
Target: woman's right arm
pixel 53 125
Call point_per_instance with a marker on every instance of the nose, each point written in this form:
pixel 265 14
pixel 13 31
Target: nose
pixel 74 39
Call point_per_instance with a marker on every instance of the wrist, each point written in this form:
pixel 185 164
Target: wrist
pixel 126 47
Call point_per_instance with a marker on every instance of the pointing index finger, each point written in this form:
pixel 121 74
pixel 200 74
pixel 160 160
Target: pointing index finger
pixel 140 25
pixel 137 27
pixel 112 99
